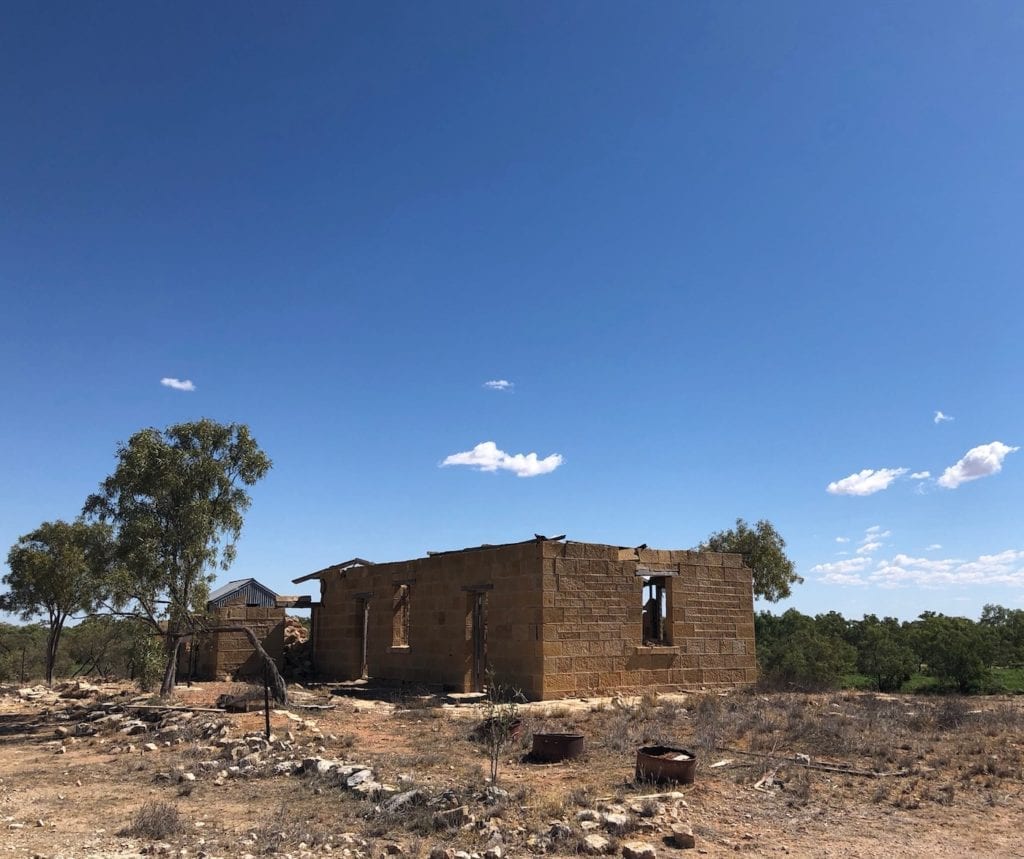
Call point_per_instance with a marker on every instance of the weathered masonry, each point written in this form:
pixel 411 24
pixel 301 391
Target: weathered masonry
pixel 223 655
pixel 553 618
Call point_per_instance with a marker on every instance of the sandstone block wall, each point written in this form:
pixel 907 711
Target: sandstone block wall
pixel 563 619
pixel 593 637
pixel 441 591
pixel 225 654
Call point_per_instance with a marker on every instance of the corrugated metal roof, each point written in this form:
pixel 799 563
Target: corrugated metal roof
pixel 254 592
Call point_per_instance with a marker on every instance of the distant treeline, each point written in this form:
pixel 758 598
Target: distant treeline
pixel 794 650
pixel 97 647
pixel 932 653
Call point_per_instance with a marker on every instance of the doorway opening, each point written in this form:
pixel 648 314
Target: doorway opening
pixel 476 610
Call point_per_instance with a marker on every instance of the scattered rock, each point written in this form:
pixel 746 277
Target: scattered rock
pixel 639 850
pixel 559 831
pixel 399 800
pixel 359 777
pixel 682 837
pixel 452 817
pixel 596 845
pixel 614 821
pixel 134 727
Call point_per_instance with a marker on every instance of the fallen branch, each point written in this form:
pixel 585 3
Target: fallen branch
pixel 277 685
pixel 674 795
pixel 173 707
pixel 831 768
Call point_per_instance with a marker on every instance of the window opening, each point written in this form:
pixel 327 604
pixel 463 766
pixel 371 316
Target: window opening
pixel 654 600
pixel 400 617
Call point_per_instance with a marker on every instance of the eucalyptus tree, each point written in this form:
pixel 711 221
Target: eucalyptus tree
pixel 176 501
pixel 56 571
pixel 764 551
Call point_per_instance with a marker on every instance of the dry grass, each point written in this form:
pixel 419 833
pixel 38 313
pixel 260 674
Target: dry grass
pixel 156 821
pixel 286 829
pixel 964 756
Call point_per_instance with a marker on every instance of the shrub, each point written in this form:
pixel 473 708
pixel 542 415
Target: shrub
pixel 956 650
pixel 156 821
pixel 797 654
pixel 884 659
pixel 501 713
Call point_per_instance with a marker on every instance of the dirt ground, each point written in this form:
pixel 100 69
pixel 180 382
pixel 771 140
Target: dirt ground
pixel 916 777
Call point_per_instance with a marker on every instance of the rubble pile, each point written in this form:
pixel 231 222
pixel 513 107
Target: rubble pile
pixel 298 652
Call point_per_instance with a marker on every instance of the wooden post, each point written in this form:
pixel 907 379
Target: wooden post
pixel 266 699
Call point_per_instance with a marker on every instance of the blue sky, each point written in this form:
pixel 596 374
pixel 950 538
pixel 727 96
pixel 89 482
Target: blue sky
pixel 726 254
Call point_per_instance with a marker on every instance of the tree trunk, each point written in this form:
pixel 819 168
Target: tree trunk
pixel 52 642
pixel 277 683
pixel 50 658
pixel 171 669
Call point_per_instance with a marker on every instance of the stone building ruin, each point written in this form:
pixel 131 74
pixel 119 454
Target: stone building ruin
pixel 224 655
pixel 551 617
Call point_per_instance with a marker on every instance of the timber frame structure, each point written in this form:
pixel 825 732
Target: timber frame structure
pixel 552 618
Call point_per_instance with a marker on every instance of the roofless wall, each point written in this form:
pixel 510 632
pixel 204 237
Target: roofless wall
pixel 442 619
pixel 555 619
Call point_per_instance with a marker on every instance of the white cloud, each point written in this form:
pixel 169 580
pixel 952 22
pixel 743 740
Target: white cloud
pixel 1004 568
pixel 177 384
pixel 920 475
pixel 842 539
pixel 866 482
pixel 500 385
pixel 487 457
pixel 850 565
pixel 981 461
pixel 933 547
pixel 845 572
pixel 843 579
pixel 941 418
pixel 872 539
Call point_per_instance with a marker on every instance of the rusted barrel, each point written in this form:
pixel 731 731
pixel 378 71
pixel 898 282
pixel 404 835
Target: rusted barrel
pixel 665 763
pixel 557 747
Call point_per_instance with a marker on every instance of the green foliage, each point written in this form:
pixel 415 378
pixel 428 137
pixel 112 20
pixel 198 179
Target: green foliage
pixel 763 550
pixel 1007 681
pixel 501 713
pixel 57 570
pixel 22 652
pixel 932 654
pixel 1006 628
pixel 884 658
pixel 956 650
pixel 794 652
pixel 147 662
pixel 177 500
